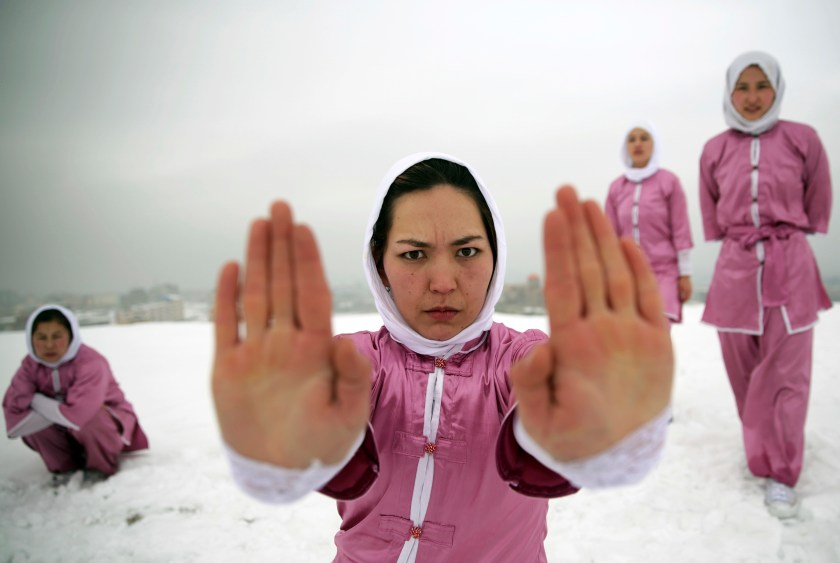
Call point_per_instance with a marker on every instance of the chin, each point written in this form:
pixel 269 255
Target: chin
pixel 439 335
pixel 441 338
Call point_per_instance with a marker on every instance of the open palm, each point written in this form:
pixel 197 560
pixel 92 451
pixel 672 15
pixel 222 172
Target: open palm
pixel 608 365
pixel 286 392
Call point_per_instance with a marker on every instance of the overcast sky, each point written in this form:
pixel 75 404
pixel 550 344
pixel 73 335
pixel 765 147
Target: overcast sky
pixel 138 139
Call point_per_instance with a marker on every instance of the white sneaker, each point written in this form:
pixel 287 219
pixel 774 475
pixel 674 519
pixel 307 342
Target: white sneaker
pixel 781 500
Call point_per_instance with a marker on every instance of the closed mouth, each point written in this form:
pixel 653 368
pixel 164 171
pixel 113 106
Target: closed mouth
pixel 442 313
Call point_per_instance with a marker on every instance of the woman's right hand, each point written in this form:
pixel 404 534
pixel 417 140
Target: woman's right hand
pixel 684 288
pixel 286 392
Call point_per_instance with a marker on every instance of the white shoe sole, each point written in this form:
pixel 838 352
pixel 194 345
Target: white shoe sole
pixel 783 510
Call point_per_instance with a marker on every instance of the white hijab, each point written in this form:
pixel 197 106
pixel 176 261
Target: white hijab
pixel 652 167
pixel 75 335
pixel 394 322
pixel 774 74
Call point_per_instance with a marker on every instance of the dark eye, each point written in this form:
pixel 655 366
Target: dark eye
pixel 467 252
pixel 413 255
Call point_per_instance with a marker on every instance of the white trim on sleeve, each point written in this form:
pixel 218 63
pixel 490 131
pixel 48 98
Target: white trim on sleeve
pixel 279 485
pixel 624 463
pixel 48 408
pixel 32 423
pixel 684 262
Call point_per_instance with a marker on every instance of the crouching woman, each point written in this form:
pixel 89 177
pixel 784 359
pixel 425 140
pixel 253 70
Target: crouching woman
pixel 65 404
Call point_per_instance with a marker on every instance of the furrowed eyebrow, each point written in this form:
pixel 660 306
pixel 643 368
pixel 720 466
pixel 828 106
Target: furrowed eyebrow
pixel 465 240
pixel 413 242
pixel 457 242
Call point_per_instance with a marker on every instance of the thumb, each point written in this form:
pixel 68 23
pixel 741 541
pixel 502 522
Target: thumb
pixel 352 384
pixel 531 380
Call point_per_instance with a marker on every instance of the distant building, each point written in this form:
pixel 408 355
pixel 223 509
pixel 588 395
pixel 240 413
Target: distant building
pixel 101 301
pixel 136 296
pixel 160 303
pixel 160 311
pixel 9 301
pixel 352 298
pixel 95 317
pixel 9 322
pixel 524 299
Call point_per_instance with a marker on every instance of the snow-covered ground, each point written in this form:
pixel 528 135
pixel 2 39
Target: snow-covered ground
pixel 175 502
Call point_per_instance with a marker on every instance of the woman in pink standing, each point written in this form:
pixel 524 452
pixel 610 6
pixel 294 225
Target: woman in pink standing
pixel 647 204
pixel 764 186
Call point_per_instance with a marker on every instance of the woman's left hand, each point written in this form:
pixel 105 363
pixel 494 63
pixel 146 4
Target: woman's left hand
pixel 608 365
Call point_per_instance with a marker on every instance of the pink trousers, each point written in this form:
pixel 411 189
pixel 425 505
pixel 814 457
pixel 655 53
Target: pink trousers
pixel 96 445
pixel 770 375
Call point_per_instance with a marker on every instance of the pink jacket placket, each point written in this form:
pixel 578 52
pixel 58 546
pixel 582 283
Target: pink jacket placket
pixel 488 497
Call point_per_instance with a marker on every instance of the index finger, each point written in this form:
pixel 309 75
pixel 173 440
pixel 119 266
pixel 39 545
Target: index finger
pixel 225 319
pixel 648 297
pixel 255 298
pixel 588 262
pixel 619 283
pixel 313 307
pixel 562 292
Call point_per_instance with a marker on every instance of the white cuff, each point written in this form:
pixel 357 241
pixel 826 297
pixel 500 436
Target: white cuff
pixel 624 463
pixel 684 262
pixel 48 408
pixel 278 485
pixel 32 423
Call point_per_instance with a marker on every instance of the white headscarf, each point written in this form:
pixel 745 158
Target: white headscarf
pixel 75 335
pixel 394 322
pixel 652 167
pixel 774 74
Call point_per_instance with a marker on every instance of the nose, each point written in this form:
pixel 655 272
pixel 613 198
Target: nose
pixel 442 277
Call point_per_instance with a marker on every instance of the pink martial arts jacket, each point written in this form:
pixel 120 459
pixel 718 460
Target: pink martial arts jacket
pixel 486 497
pixel 82 384
pixel 654 213
pixel 761 195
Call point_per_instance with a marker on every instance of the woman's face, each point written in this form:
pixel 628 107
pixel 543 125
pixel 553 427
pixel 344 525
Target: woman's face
pixel 639 147
pixel 753 94
pixel 50 340
pixel 437 261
